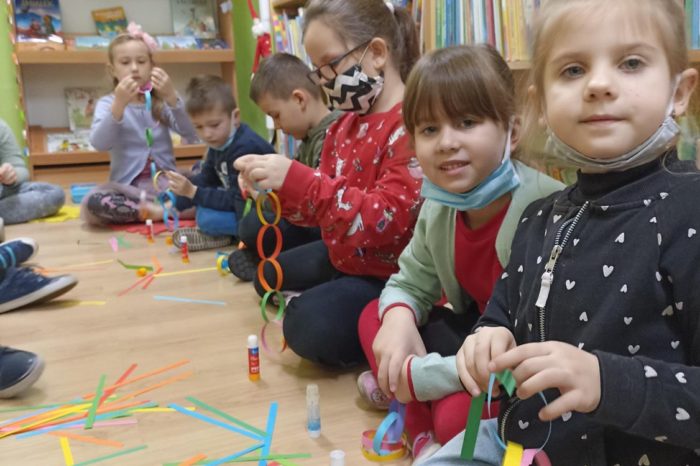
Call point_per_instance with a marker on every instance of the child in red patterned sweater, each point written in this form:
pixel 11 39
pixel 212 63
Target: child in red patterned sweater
pixel 365 194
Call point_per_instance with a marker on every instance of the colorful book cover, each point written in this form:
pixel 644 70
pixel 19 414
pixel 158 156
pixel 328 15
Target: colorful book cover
pixel 110 21
pixel 194 18
pixel 81 102
pixel 38 20
pixel 69 142
pixel 91 42
pixel 177 42
pixel 211 44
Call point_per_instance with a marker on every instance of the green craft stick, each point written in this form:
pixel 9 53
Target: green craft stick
pixel 222 414
pixel 95 402
pixel 113 455
pixel 472 428
pixel 507 380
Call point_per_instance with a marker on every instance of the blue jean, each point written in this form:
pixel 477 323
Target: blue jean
pixel 216 222
pixel 29 200
pixel 486 453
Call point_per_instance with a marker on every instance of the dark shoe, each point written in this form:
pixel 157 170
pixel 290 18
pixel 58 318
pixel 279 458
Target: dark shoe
pixel 22 287
pixel 199 241
pixel 18 371
pixel 17 251
pixel 243 263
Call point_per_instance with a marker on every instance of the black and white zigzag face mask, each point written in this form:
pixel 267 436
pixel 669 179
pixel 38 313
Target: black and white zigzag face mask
pixel 354 91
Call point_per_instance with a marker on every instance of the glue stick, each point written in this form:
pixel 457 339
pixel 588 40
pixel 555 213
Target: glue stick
pixel 143 211
pixel 185 251
pixel 313 411
pixel 149 230
pixel 253 358
pixel 337 458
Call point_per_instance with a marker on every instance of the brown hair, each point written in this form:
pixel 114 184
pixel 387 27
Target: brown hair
pixel 281 74
pixel 359 21
pixel 663 17
pixel 460 81
pixel 158 104
pixel 205 92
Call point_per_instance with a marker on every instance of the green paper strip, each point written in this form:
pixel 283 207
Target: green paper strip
pixel 222 414
pixel 123 243
pixel 95 402
pixel 135 266
pixel 113 455
pixel 248 205
pixel 149 137
pixel 248 459
pixel 507 380
pixel 472 428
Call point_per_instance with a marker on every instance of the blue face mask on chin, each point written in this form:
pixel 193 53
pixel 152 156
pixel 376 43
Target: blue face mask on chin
pixel 228 141
pixel 502 180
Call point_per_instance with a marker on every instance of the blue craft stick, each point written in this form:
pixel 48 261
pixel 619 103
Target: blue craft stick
pixel 216 422
pixel 271 419
pixel 188 300
pixel 237 455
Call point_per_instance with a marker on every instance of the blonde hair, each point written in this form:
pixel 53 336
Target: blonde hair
pixel 359 21
pixel 158 104
pixel 457 82
pixel 663 17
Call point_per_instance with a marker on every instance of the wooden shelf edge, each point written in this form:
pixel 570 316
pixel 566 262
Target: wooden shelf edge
pixel 53 159
pixel 43 57
pixel 284 4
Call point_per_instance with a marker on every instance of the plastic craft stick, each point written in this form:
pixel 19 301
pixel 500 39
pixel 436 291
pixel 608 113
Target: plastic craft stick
pixel 67 453
pixel 149 388
pixel 96 403
pixel 87 439
pixel 514 454
pixel 222 414
pixel 41 430
pixel 113 455
pixel 472 428
pixel 215 422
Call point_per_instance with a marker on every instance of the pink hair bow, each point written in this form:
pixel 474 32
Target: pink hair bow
pixel 138 32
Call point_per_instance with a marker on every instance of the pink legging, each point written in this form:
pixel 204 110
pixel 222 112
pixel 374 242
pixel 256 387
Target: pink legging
pixel 446 417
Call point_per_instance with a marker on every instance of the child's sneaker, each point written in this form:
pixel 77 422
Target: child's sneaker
pixel 17 251
pixel 198 241
pixel 18 371
pixel 424 446
pixel 370 391
pixel 243 263
pixel 21 287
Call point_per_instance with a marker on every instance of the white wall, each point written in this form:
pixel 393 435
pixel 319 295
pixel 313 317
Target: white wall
pixel 44 84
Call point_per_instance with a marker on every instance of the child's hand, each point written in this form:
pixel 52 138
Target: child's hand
pixel 553 364
pixel 403 392
pixel 266 171
pixel 477 352
pixel 397 338
pixel 8 175
pixel 180 185
pixel 164 85
pixel 125 92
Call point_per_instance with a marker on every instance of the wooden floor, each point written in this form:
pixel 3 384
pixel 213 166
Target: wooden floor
pixel 80 341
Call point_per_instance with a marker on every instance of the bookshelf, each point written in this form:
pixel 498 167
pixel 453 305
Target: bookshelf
pixel 40 73
pixel 287 4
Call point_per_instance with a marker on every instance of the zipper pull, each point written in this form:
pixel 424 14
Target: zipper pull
pixel 548 277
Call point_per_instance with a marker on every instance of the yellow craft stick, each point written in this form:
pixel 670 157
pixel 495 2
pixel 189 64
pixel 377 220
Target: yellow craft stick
pixel 87 439
pixel 514 454
pixel 184 272
pixel 67 454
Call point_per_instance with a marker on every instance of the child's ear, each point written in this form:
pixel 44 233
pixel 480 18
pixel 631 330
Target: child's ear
pixel 516 133
pixel 686 85
pixel 236 117
pixel 534 100
pixel 300 98
pixel 379 53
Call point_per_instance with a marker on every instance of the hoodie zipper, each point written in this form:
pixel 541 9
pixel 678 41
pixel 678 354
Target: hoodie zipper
pixel 548 274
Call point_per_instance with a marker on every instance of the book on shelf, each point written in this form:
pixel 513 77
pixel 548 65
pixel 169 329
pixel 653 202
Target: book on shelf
pixel 177 42
pixel 78 141
pixel 194 18
pixel 90 42
pixel 211 44
pixel 287 32
pixel 110 21
pixel 38 21
pixel 81 102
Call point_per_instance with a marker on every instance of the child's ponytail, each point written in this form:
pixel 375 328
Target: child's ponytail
pixel 358 21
